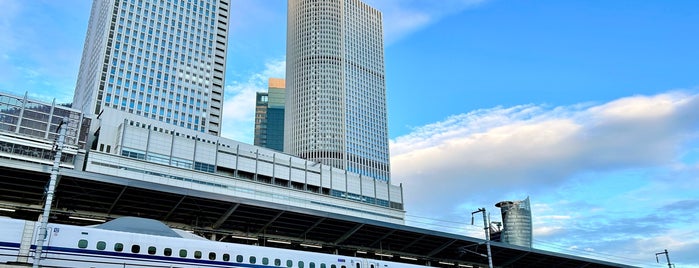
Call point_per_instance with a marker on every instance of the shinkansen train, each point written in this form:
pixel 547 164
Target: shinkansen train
pixel 135 242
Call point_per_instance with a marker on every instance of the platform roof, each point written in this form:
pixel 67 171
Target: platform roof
pixel 81 196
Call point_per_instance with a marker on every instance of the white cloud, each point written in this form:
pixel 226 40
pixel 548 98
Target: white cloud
pixel 635 157
pixel 531 148
pixel 544 231
pixel 403 17
pixel 239 103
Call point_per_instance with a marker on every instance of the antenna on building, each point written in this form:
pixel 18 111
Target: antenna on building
pixel 667 256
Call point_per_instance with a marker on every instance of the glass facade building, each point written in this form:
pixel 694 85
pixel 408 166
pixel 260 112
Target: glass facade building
pixel 517 222
pixel 161 59
pixel 269 116
pixel 28 129
pixel 336 88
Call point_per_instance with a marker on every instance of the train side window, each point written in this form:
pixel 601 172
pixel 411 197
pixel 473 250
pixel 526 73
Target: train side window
pixel 300 263
pixel 197 254
pixel 253 260
pixel 82 243
pixel 343 266
pixel 265 261
pixel 239 258
pixel 167 252
pixel 359 265
pixel 212 256
pixel 118 247
pixel 151 250
pixel 183 253
pixel 322 265
pixel 333 266
pixel 289 263
pixel 226 257
pixel 135 248
pixel 311 265
pixel 277 262
pixel 371 265
pixel 101 245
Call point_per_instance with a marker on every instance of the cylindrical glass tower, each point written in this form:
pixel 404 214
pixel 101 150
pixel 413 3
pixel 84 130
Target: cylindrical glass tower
pixel 517 222
pixel 336 90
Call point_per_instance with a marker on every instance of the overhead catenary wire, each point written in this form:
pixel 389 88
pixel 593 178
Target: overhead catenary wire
pixel 458 228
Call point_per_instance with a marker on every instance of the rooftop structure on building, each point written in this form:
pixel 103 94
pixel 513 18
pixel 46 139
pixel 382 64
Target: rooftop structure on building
pixel 150 150
pixel 336 86
pixel 28 129
pixel 269 115
pixel 160 59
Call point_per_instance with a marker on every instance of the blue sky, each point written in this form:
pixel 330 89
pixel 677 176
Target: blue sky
pixel 591 108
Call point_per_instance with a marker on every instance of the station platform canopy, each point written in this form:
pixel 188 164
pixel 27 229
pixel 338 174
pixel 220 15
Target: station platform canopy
pixel 84 198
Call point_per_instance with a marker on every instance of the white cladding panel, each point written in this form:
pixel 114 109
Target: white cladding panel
pixel 298 163
pixel 206 152
pixel 298 175
pixel 160 143
pixel 246 164
pixel 368 186
pixel 264 168
pixel 396 195
pixel 325 176
pixel 313 178
pixel 281 171
pixel 354 186
pixel 226 160
pixel 183 148
pixel 382 191
pixel 338 181
pixel 136 138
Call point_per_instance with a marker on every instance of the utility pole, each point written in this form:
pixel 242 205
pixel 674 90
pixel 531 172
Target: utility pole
pixel 486 227
pixel 50 190
pixel 667 256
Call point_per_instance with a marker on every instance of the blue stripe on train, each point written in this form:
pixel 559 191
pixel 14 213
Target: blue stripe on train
pixel 9 244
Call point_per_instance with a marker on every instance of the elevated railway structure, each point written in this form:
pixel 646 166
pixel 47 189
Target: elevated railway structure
pixel 85 198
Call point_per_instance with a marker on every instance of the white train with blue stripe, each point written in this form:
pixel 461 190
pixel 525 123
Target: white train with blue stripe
pixel 151 244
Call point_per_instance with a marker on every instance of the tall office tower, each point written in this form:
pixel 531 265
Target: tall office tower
pixel 161 59
pixel 516 222
pixel 336 87
pixel 269 116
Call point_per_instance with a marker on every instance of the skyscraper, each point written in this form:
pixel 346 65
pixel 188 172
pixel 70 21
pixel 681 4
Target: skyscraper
pixel 269 116
pixel 336 87
pixel 516 222
pixel 161 59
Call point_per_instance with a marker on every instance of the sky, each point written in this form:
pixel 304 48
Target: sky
pixel 590 108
